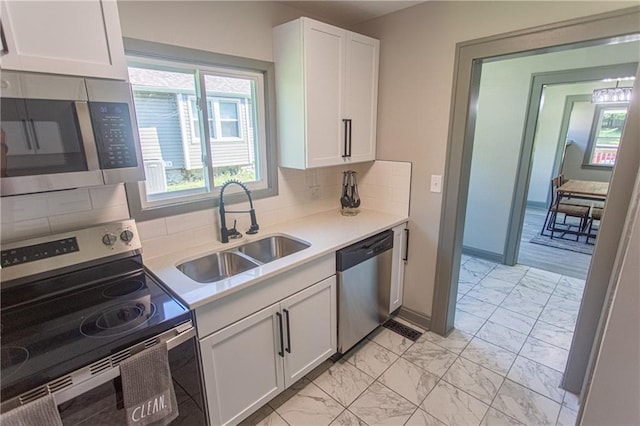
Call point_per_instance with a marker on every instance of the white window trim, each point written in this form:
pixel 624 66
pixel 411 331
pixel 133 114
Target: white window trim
pixel 199 194
pixel 218 120
pixel 593 136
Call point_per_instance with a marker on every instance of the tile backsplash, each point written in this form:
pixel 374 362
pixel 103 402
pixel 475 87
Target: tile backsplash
pixel 34 215
pixel 382 186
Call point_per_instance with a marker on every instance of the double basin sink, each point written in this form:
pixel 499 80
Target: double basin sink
pixel 224 264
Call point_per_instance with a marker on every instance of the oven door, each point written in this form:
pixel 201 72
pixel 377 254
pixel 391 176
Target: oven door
pixel 102 404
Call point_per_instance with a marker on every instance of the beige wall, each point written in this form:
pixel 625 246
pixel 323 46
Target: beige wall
pixel 240 28
pixel 416 74
pixel 615 388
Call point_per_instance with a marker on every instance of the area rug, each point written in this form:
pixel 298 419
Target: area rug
pixel 561 243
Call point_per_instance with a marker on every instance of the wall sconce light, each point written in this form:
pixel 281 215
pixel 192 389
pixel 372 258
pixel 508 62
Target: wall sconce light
pixel 611 95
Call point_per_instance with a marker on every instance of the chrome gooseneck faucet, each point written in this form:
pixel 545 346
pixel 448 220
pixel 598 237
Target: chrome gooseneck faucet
pixel 225 233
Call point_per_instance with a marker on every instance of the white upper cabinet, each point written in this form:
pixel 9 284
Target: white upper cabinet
pixel 327 91
pixel 63 37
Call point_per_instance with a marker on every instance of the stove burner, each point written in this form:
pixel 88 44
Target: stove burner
pixel 12 359
pixel 122 288
pixel 117 319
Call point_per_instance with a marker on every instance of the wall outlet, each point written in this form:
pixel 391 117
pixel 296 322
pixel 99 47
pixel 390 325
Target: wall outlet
pixel 315 192
pixel 436 183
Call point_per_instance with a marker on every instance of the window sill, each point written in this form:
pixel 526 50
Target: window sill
pixel 597 167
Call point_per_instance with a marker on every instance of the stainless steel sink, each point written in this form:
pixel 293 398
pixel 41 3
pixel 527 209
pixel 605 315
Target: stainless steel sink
pixel 272 248
pixel 216 267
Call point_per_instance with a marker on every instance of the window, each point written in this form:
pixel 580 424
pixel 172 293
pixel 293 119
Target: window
pixel 605 135
pixel 187 157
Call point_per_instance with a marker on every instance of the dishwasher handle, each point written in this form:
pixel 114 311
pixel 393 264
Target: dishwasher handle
pixel 364 250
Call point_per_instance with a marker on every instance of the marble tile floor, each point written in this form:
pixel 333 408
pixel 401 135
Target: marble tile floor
pixel 501 366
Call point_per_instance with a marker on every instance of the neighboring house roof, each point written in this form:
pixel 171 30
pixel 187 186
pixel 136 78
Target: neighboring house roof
pixel 186 82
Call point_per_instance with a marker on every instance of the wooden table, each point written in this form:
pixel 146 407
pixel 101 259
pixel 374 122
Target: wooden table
pixel 585 189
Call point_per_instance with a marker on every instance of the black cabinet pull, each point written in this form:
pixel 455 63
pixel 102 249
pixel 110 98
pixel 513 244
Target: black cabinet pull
pixel 286 312
pixel 346 137
pixel 3 39
pixel 350 137
pixel 406 245
pixel 281 352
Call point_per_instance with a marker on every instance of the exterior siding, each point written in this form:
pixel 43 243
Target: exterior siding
pixel 159 124
pixel 163 120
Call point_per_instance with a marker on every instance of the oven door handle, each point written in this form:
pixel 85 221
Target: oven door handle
pixel 67 394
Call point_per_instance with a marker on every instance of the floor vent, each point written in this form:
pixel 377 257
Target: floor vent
pixel 402 330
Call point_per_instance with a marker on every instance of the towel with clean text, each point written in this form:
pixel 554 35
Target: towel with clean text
pixel 147 388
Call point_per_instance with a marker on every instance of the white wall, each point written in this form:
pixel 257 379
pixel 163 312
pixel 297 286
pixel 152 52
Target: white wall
pixel 417 52
pixel 502 107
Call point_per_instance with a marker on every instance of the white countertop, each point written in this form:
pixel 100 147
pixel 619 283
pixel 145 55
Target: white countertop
pixel 326 232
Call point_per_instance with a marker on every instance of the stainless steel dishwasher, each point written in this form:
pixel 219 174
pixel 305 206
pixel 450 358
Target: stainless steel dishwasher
pixel 364 279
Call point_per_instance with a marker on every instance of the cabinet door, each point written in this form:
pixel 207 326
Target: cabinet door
pixel 397 266
pixel 361 95
pixel 311 331
pixel 73 37
pixel 324 63
pixel 242 367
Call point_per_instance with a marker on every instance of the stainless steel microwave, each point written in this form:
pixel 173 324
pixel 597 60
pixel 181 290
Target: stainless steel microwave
pixel 63 132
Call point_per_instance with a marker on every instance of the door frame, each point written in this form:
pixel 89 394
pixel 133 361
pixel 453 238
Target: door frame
pixel 581 32
pixel 525 163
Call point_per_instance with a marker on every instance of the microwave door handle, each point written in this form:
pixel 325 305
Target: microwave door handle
pixel 27 134
pixel 86 132
pixel 35 134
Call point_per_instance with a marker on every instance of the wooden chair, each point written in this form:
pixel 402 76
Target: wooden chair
pixel 596 214
pixel 568 210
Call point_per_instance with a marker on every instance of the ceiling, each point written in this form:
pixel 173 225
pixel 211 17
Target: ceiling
pixel 347 13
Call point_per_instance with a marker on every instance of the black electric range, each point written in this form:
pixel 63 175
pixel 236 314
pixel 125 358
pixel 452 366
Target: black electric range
pixel 75 304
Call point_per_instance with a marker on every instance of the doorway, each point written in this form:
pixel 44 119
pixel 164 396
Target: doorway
pixel 470 58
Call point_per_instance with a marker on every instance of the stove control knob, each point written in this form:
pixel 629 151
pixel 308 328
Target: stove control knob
pixel 126 236
pixel 109 239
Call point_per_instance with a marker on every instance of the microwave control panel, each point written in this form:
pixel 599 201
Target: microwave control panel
pixel 114 135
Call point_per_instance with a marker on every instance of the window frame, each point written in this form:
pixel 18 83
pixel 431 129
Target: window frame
pixel 593 135
pixel 167 57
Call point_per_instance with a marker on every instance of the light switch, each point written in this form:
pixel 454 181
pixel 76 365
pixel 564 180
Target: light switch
pixel 436 183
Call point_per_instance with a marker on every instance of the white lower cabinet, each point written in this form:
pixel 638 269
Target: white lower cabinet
pixel 249 362
pixel 399 256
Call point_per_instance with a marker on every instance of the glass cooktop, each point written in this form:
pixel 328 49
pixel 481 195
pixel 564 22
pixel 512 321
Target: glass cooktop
pixel 58 325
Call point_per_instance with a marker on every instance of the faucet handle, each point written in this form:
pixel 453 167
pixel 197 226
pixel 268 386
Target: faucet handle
pixel 233 232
